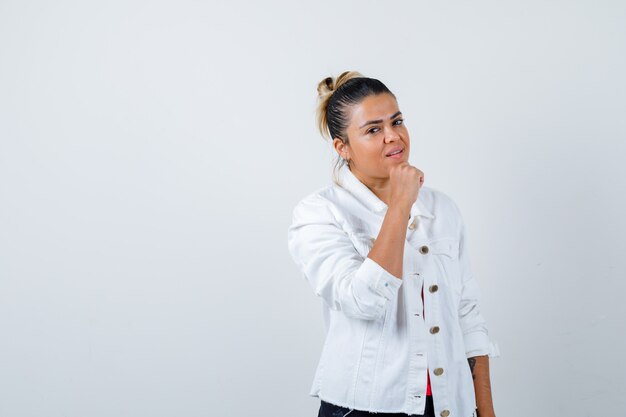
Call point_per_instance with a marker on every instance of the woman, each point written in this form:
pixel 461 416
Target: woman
pixel 389 258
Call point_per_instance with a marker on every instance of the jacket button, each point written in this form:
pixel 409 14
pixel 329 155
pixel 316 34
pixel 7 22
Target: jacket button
pixel 424 249
pixel 433 288
pixel 434 329
pixel 438 371
pixel 445 413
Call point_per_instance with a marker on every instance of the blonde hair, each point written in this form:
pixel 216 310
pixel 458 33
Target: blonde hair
pixel 325 90
pixel 335 97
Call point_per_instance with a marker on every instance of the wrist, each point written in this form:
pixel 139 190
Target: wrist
pixel 400 208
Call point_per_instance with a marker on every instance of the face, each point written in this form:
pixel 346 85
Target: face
pixel 376 129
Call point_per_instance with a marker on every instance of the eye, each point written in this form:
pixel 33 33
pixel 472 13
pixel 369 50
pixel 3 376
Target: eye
pixel 372 130
pixel 398 122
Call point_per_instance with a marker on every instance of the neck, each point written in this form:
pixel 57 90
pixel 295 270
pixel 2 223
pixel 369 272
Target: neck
pixel 378 185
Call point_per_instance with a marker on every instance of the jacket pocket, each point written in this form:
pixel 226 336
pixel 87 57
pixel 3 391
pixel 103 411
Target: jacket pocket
pixel 446 246
pixel 445 251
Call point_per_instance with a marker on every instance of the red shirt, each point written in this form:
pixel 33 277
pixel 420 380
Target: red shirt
pixel 428 391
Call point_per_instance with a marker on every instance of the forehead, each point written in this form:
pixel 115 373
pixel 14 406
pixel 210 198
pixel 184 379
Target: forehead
pixel 374 107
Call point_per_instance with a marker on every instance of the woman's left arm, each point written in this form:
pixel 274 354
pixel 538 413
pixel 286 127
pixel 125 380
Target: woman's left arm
pixel 478 346
pixel 482 385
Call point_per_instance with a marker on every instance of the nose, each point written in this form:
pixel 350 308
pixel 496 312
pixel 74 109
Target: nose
pixel 391 135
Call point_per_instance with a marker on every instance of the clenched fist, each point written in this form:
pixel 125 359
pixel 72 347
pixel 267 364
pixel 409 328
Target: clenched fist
pixel 405 181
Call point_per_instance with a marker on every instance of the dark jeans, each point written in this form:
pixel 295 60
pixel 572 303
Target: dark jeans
pixel 332 410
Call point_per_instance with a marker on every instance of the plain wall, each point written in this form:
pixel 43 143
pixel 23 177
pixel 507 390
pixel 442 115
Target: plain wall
pixel 151 154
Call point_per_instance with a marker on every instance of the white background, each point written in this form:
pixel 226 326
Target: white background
pixel 151 154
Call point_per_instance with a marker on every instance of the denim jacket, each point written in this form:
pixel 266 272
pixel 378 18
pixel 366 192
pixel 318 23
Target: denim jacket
pixel 381 338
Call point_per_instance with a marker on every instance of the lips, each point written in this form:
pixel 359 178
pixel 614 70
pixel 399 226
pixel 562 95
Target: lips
pixel 394 150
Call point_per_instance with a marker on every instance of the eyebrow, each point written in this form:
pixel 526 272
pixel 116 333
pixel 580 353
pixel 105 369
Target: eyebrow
pixel 373 122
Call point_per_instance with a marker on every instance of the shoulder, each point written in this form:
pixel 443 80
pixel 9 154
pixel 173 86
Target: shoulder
pixel 439 203
pixel 315 205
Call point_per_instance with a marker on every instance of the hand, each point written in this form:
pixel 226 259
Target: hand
pixel 405 181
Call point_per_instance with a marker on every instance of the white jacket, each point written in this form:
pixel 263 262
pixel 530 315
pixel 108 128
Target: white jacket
pixel 379 346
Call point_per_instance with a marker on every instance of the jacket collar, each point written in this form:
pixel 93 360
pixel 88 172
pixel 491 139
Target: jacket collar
pixel 353 185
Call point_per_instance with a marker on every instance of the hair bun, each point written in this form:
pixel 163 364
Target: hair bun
pixel 325 90
pixel 326 87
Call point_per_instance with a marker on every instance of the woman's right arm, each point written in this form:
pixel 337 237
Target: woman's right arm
pixel 388 250
pixel 361 288
pixel 336 271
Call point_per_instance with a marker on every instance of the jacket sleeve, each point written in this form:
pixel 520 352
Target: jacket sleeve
pixel 473 325
pixel 358 287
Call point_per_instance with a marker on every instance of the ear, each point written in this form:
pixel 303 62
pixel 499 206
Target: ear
pixel 341 148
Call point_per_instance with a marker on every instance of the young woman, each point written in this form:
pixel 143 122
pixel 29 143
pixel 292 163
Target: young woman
pixel 388 256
